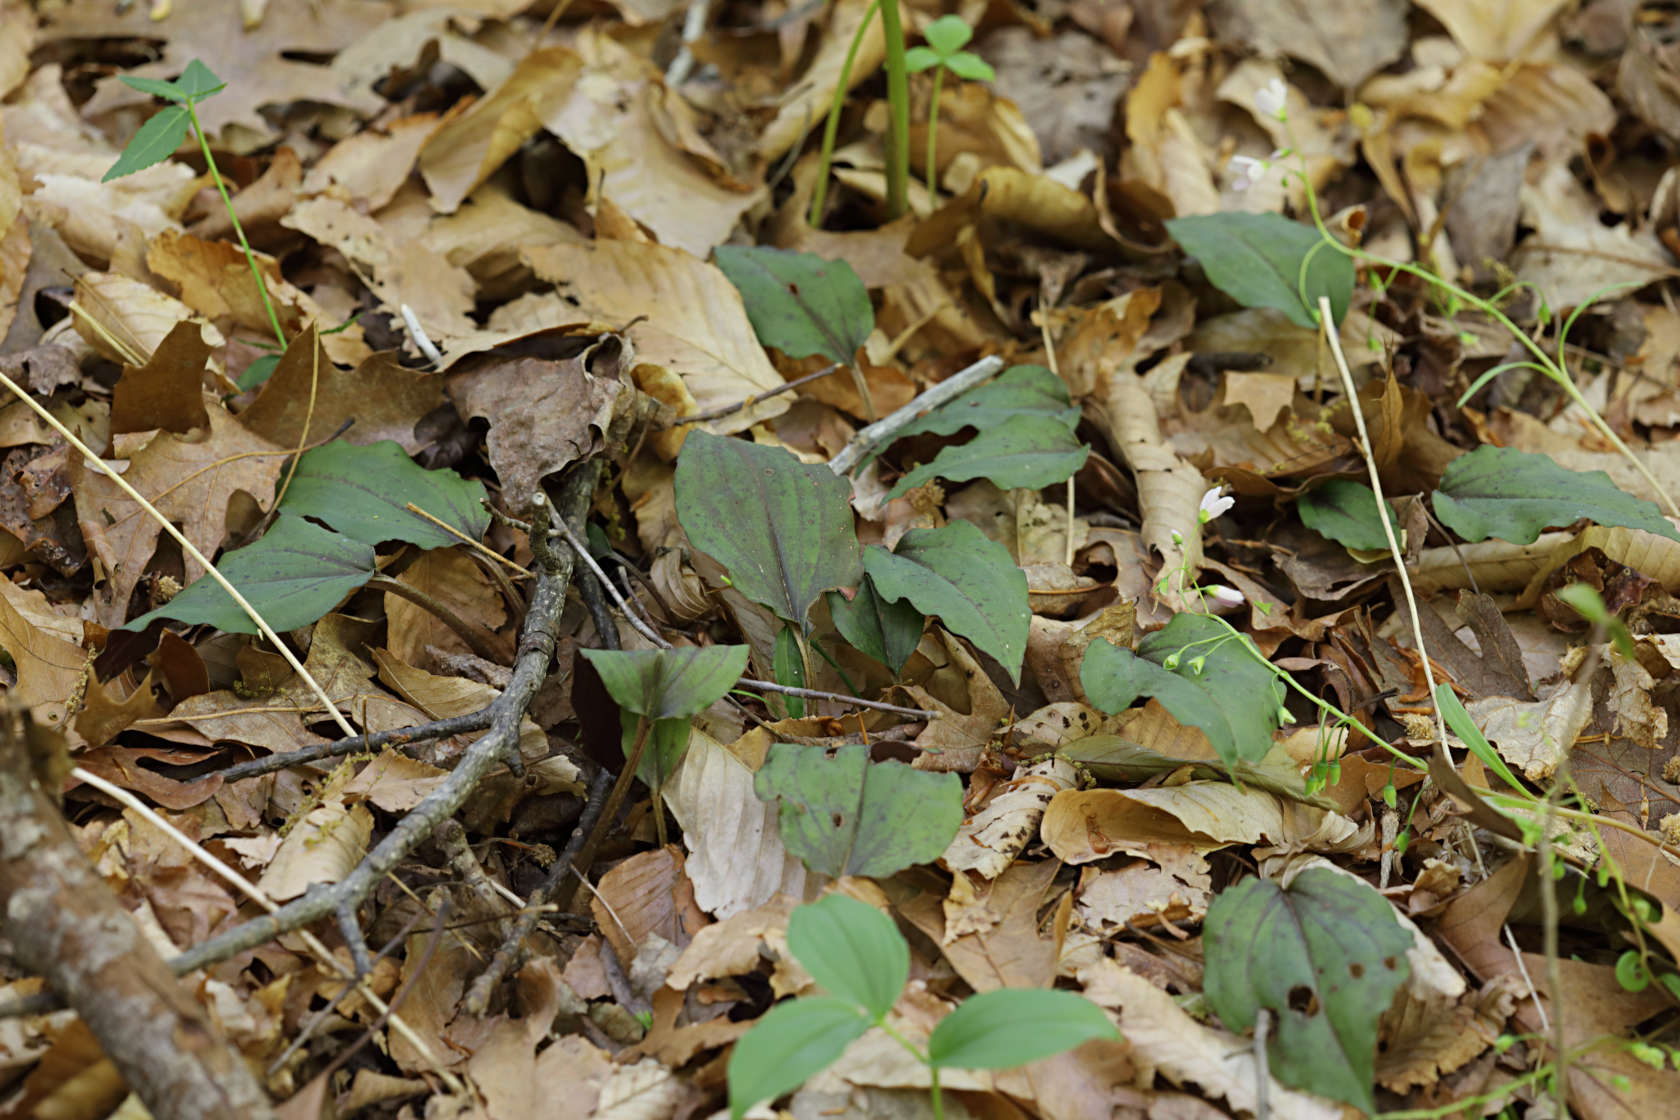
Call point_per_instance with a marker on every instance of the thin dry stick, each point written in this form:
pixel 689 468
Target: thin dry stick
pixel 1326 321
pixel 729 409
pixel 98 464
pixel 883 430
pixel 464 539
pixel 244 886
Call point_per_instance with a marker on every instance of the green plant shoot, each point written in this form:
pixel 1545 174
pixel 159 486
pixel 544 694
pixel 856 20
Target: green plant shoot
pixel 946 37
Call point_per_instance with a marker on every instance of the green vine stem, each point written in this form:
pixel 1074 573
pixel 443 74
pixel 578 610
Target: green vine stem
pixel 831 128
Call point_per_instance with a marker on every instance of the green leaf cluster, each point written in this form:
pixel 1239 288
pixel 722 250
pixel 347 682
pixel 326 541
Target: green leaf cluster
pixel 856 953
pixel 158 138
pixel 668 687
pixel 1204 675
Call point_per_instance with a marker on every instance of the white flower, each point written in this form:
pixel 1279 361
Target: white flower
pixel 1220 597
pixel 1272 99
pixel 1214 503
pixel 1245 170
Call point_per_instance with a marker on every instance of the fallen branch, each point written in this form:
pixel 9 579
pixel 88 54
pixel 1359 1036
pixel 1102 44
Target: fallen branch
pixel 64 923
pixel 499 744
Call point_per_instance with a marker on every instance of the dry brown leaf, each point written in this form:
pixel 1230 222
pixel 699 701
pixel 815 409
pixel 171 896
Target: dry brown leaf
pixel 1348 42
pixel 990 840
pixel 1497 30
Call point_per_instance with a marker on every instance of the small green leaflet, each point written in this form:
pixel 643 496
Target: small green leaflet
pixel 1009 1027
pixel 887 631
pixel 791 1043
pixel 851 949
pixel 668 683
pixel 155 142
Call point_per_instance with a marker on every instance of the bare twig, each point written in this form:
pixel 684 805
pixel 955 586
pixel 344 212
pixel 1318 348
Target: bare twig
pixel 509 951
pixel 499 744
pixel 477 638
pixel 884 430
pixel 723 410
pixel 355 744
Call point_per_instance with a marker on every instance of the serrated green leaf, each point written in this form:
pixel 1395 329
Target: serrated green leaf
pixel 791 1043
pixel 800 303
pixel 668 683
pixel 844 815
pixel 888 632
pixel 197 81
pixel 155 142
pixel 851 949
pixel 292 575
pixel 1032 452
pixel 1009 1027
pixel 970 582
pixel 781 527
pixel 1233 698
pixel 1514 495
pixel 948 34
pixel 1256 260
pixel 362 491
pixel 1345 511
pixel 1325 957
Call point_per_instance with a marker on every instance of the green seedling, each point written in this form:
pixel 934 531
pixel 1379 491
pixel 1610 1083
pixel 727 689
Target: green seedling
pixel 946 37
pixel 160 136
pixel 857 954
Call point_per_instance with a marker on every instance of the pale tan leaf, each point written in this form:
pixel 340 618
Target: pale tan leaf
pixel 321 848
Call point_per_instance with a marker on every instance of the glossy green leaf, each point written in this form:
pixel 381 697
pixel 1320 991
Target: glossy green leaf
pixel 800 303
pixel 791 1043
pixel 788 665
pixel 1009 1027
pixel 851 949
pixel 1325 958
pixel 887 631
pixel 970 582
pixel 782 528
pixel 362 491
pixel 668 683
pixel 292 575
pixel 1032 453
pixel 1514 495
pixel 1345 511
pixel 844 815
pixel 1257 260
pixel 155 142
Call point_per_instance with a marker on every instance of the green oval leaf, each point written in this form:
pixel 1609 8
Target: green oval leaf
pixel 970 582
pixel 292 575
pixel 1256 259
pixel 800 303
pixel 1514 495
pixel 783 528
pixel 1325 957
pixel 362 490
pixel 668 683
pixel 793 1041
pixel 1032 452
pixel 948 34
pixel 853 950
pixel 1345 511
pixel 844 815
pixel 1010 1027
pixel 1017 393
